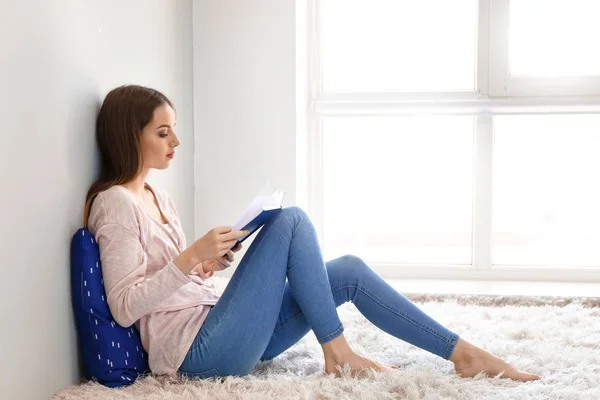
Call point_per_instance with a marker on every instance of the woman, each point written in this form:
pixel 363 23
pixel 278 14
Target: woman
pixel 281 289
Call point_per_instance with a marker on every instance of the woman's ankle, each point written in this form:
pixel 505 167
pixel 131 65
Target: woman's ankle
pixel 463 351
pixel 337 348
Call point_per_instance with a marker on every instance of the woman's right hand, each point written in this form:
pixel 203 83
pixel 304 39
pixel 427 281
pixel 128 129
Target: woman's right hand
pixel 215 244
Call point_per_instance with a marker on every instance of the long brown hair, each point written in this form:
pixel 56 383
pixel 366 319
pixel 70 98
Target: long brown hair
pixel 125 112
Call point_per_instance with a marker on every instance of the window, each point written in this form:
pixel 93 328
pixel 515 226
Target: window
pixel 545 47
pixel 406 183
pixel 456 139
pixel 370 46
pixel 546 190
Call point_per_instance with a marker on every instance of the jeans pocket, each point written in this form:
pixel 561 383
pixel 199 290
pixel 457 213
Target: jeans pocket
pixel 209 373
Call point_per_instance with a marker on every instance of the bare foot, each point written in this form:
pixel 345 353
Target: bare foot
pixel 358 365
pixel 470 360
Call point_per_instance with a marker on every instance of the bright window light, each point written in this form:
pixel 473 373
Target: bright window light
pixel 546 191
pixel 399 45
pixel 398 189
pixel 554 38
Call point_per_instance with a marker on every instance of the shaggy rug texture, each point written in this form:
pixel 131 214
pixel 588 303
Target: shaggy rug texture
pixel 557 338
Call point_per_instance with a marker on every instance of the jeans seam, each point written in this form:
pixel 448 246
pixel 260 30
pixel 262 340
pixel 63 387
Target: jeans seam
pixel 400 314
pixel 302 220
pixel 197 374
pixel 243 273
pixel 289 321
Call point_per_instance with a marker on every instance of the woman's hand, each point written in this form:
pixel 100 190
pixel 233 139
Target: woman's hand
pixel 215 245
pixel 211 266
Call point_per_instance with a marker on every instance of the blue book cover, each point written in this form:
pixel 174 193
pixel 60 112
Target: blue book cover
pixel 264 207
pixel 259 221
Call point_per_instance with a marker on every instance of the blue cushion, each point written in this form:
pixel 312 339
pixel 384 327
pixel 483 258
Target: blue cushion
pixel 112 354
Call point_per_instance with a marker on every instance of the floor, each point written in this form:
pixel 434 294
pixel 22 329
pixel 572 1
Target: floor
pixel 560 343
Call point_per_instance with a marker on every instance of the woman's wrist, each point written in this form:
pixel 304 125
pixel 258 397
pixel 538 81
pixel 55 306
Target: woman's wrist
pixel 186 262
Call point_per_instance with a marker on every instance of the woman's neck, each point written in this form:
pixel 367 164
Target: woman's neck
pixel 138 184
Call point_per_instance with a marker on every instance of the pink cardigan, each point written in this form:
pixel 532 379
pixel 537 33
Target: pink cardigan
pixel 142 284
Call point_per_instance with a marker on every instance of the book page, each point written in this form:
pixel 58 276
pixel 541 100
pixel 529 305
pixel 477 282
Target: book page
pixel 266 200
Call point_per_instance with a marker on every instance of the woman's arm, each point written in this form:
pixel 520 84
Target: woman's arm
pixel 130 295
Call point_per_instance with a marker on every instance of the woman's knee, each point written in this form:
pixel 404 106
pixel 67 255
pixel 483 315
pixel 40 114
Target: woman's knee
pixel 292 216
pixel 293 212
pixel 354 265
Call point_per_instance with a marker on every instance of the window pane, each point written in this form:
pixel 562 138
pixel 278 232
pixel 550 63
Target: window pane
pixel 399 45
pixel 398 189
pixel 546 190
pixel 560 41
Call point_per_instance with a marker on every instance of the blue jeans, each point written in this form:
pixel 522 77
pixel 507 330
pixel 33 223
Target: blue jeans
pixel 261 313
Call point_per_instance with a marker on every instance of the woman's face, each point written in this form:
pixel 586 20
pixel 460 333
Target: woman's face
pixel 159 139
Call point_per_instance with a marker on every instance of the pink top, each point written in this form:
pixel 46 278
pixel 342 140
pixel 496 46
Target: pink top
pixel 142 284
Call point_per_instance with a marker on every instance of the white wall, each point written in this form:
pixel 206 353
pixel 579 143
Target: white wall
pixel 245 101
pixel 57 61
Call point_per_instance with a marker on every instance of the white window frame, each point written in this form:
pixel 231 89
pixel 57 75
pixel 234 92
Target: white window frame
pixel 478 103
pixel 502 84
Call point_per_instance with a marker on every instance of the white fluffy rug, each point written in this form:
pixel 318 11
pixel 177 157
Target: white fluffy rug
pixel 559 339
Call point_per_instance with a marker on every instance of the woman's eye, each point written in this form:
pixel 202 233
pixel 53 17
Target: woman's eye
pixel 163 135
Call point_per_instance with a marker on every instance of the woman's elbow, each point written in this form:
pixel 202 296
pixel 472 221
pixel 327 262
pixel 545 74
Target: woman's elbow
pixel 120 314
pixel 124 321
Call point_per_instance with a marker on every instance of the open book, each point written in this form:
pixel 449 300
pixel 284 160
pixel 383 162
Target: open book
pixel 264 207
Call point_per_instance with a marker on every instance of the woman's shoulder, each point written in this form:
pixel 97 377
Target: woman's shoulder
pixel 117 198
pixel 114 205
